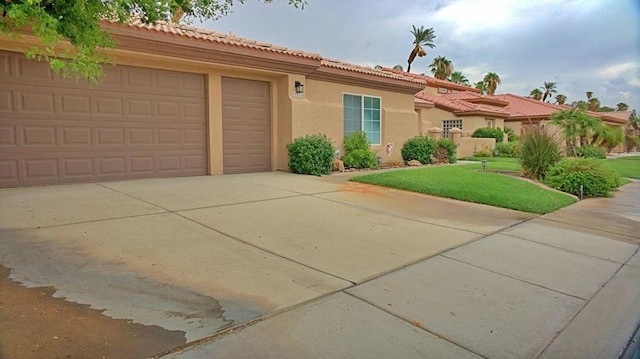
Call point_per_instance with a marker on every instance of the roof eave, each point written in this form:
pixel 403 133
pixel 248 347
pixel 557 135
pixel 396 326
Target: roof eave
pixel 167 44
pixel 347 77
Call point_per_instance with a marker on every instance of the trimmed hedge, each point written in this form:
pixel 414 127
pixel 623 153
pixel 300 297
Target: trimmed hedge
pixel 489 132
pixel 509 149
pixel 596 179
pixel 419 148
pixel 311 155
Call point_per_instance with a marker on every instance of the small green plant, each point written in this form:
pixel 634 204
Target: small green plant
pixel 631 143
pixel 509 149
pixel 489 132
pixel 512 135
pixel 483 153
pixel 311 155
pixel 357 153
pixel 590 151
pixel 540 150
pixel 449 149
pixel 419 148
pixel 587 174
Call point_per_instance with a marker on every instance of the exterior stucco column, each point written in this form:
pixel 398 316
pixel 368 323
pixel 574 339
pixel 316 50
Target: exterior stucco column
pixel 456 135
pixel 435 133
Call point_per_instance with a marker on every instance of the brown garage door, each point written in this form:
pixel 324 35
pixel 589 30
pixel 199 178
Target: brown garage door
pixel 137 123
pixel 246 126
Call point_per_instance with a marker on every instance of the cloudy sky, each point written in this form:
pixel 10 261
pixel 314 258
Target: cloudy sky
pixel 582 45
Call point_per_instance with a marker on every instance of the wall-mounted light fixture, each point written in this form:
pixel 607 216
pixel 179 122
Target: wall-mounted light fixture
pixel 299 88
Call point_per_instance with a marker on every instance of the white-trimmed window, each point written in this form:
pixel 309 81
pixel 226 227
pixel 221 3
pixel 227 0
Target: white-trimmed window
pixel 449 124
pixel 488 122
pixel 363 113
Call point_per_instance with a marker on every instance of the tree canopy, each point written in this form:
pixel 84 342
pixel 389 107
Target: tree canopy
pixel 78 22
pixel 441 67
pixel 421 38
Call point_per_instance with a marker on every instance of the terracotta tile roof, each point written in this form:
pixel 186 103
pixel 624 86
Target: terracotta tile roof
pixel 212 36
pixel 476 98
pixel 523 107
pixel 432 80
pixel 337 64
pixel 460 107
pixel 617 116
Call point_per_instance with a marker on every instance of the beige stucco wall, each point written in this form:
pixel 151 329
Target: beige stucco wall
pixel 321 111
pixel 468 146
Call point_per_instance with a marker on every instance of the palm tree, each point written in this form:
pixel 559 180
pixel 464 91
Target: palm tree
pixel 459 78
pixel 492 80
pixel 561 99
pixel 536 94
pixel 622 107
pixel 421 37
pixel 441 67
pixel 398 68
pixel 575 123
pixel 593 104
pixel 549 89
pixel 481 86
pixel 589 95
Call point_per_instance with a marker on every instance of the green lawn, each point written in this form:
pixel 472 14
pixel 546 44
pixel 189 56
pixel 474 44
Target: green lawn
pixel 628 167
pixel 469 183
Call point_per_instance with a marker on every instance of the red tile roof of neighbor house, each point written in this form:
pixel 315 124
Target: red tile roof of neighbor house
pixel 617 116
pixel 474 97
pixel 527 108
pixel 460 107
pixel 432 80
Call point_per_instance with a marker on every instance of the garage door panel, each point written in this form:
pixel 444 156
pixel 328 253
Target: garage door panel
pixel 246 123
pixel 59 131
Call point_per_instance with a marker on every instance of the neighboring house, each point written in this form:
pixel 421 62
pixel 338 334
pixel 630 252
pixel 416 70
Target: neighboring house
pixel 182 101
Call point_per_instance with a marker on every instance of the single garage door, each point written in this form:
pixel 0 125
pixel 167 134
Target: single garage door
pixel 246 126
pixel 137 123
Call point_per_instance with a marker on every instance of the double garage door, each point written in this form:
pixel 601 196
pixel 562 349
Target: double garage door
pixel 137 123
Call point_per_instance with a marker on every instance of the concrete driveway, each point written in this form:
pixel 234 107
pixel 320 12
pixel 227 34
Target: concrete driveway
pixel 320 267
pixel 202 254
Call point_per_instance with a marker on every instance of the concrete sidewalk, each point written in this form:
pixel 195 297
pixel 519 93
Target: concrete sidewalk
pixel 564 285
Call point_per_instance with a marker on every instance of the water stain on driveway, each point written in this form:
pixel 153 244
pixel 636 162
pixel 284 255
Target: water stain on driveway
pixel 34 324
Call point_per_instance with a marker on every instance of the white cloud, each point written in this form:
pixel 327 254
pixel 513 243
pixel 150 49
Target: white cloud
pixel 627 69
pixel 625 94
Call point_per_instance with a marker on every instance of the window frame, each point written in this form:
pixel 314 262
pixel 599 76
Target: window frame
pixel 445 129
pixel 362 110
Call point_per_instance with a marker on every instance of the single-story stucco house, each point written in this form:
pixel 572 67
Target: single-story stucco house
pixel 182 101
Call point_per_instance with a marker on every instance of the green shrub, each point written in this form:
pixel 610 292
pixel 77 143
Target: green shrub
pixel 596 178
pixel 540 150
pixel 357 153
pixel 489 132
pixel 631 143
pixel 512 135
pixel 590 151
pixel 356 141
pixel 483 153
pixel 509 149
pixel 360 159
pixel 450 147
pixel 311 155
pixel 419 148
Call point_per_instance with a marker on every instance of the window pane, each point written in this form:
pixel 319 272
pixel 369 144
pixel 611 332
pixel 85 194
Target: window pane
pixel 373 137
pixel 367 102
pixel 376 103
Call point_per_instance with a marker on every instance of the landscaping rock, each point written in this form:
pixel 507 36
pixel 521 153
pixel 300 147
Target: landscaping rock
pixel 414 163
pixel 338 165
